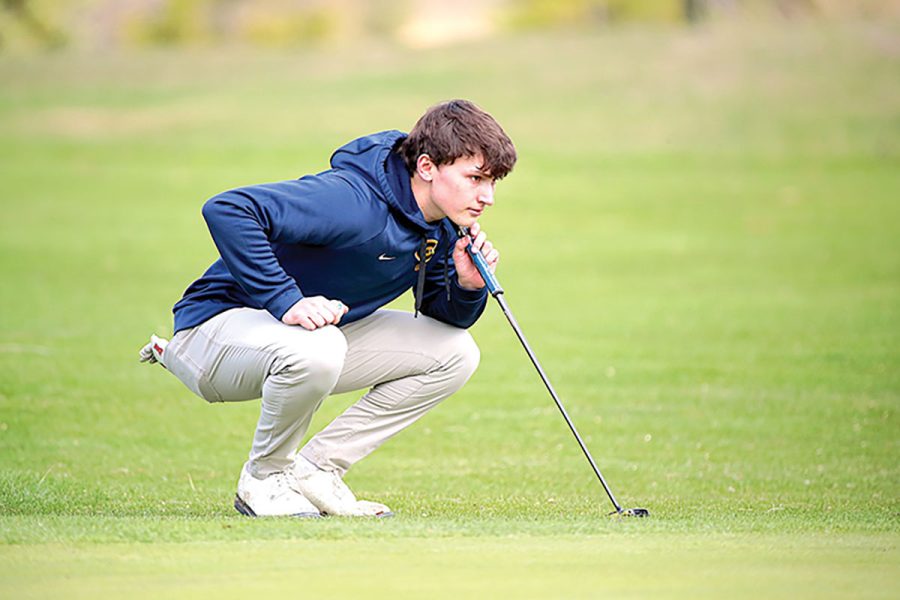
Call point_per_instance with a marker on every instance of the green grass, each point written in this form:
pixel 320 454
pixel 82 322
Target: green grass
pixel 626 566
pixel 700 240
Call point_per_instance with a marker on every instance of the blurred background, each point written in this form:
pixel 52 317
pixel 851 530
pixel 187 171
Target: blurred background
pixel 115 24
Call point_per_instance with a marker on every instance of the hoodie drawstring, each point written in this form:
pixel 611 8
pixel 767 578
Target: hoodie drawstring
pixel 420 283
pixel 447 271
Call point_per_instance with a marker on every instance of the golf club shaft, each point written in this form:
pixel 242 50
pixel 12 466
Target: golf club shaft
pixel 496 291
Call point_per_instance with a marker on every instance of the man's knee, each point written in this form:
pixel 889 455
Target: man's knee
pixel 464 357
pixel 315 368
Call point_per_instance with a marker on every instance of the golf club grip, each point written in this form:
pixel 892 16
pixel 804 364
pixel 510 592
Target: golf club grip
pixel 490 281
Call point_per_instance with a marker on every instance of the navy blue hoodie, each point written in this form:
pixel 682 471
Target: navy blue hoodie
pixel 351 233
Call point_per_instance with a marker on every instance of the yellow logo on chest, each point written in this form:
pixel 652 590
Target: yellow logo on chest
pixel 430 247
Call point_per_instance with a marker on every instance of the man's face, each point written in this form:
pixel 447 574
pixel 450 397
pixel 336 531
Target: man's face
pixel 461 190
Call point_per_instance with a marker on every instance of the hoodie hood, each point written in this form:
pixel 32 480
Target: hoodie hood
pixel 373 159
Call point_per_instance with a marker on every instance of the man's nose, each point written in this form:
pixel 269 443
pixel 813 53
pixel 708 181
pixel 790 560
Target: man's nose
pixel 486 196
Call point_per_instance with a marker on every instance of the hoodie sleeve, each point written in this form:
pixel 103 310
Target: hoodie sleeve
pixel 244 223
pixel 454 305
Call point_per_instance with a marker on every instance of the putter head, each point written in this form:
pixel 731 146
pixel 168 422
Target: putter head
pixel 631 512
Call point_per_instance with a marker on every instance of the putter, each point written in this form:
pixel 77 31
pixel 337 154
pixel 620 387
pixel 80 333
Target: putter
pixel 496 291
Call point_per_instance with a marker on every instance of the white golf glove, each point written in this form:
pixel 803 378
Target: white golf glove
pixel 153 351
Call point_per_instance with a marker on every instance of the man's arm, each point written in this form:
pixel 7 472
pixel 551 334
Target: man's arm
pixel 245 222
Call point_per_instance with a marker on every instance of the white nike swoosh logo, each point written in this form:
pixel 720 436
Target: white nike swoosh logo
pixel 386 257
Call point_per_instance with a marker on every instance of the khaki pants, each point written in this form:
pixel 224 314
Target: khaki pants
pixel 409 363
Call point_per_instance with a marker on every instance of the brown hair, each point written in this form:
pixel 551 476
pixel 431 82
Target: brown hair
pixel 456 129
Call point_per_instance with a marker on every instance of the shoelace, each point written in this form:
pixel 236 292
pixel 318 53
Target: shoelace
pixel 280 486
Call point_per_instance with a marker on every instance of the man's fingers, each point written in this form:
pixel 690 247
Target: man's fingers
pixel 478 240
pixel 334 310
pixel 340 309
pixel 328 312
pixel 466 271
pixel 315 312
pixel 305 322
pixel 343 310
pixel 318 319
pixel 492 257
pixel 320 307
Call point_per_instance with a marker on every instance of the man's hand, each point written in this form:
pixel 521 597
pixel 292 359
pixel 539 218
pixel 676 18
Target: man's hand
pixel 314 312
pixel 466 271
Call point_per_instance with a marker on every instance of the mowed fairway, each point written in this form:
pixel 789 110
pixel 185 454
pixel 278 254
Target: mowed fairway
pixel 705 566
pixel 700 241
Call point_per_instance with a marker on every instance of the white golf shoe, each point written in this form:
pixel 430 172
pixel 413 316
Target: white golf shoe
pixel 331 495
pixel 271 497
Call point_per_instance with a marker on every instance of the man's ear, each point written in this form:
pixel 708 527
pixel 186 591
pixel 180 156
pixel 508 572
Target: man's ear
pixel 425 167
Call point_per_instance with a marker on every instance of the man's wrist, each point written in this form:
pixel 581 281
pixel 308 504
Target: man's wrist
pixel 472 292
pixel 468 288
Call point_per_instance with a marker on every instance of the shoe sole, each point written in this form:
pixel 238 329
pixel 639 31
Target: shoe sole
pixel 385 515
pixel 244 508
